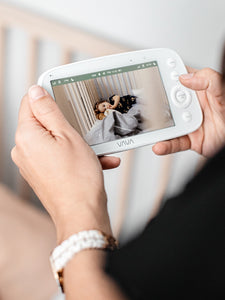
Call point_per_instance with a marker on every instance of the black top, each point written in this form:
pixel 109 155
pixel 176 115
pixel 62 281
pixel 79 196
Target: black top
pixel 181 253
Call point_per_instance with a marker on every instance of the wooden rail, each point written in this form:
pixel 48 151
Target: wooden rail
pixel 72 39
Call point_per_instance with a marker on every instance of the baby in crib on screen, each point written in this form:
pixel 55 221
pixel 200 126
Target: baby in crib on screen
pixel 122 104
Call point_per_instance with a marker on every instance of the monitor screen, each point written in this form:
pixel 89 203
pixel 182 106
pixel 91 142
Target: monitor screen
pixel 117 103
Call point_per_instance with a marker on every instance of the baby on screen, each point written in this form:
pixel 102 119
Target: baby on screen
pixel 115 102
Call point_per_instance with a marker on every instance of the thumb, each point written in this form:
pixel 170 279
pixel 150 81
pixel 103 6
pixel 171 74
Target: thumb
pixel 194 81
pixel 46 110
pixel 205 79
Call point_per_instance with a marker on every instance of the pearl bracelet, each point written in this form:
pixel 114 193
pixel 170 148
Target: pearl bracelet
pixel 90 239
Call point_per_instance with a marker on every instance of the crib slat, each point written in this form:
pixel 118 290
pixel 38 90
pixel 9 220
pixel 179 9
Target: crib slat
pixel 66 56
pixel 70 37
pixel 32 61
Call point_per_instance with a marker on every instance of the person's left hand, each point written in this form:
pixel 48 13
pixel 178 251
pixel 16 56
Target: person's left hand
pixel 59 165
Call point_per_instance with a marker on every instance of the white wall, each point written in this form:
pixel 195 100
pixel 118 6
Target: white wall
pixel 194 28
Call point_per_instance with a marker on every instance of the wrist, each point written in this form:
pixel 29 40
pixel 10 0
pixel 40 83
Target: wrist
pixel 84 217
pixel 76 243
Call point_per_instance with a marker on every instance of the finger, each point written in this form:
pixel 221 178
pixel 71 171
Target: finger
pixel 175 145
pixel 25 112
pixel 46 110
pixel 109 162
pixel 205 79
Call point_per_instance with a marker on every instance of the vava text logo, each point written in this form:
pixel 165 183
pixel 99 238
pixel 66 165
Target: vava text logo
pixel 125 143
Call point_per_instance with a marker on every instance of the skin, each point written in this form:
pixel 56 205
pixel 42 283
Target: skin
pixel 210 137
pixel 27 236
pixel 67 176
pixel 116 100
pixel 41 120
pixel 106 105
pixel 103 106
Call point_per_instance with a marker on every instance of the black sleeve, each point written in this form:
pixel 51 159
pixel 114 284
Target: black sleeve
pixel 181 253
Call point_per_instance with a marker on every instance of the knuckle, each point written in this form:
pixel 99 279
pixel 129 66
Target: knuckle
pixel 214 82
pixel 18 137
pixel 216 76
pixel 14 154
pixel 211 73
pixel 23 136
pixel 184 143
pixel 175 145
pixel 208 70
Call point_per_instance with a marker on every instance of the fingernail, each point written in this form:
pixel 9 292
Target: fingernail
pixel 186 76
pixel 35 92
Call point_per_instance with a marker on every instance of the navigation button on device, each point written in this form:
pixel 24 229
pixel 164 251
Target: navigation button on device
pixel 181 97
pixel 187 116
pixel 171 62
pixel 175 76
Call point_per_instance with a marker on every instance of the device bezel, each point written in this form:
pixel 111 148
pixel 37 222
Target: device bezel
pixel 162 56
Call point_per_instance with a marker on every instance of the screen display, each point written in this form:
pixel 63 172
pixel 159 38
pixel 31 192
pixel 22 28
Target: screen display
pixel 112 104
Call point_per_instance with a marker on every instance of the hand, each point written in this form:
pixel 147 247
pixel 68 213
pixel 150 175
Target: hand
pixel 116 100
pixel 61 168
pixel 210 137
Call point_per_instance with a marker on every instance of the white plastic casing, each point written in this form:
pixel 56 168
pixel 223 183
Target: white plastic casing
pixel 183 102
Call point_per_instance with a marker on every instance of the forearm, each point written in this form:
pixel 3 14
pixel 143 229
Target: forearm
pixel 84 278
pixel 81 217
pixel 27 236
pixel 70 185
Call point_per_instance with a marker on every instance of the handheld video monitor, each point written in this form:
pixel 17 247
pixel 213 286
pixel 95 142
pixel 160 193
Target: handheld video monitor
pixel 127 100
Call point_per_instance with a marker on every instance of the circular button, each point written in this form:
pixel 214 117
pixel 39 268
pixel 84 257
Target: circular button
pixel 175 76
pixel 171 62
pixel 181 97
pixel 187 116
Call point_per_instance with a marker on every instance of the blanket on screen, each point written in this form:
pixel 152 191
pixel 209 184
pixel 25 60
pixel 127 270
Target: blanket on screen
pixel 115 126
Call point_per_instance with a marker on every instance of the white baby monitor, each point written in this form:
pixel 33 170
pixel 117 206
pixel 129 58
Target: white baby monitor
pixel 127 100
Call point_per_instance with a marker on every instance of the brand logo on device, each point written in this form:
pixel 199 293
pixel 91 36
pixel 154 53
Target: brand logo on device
pixel 125 143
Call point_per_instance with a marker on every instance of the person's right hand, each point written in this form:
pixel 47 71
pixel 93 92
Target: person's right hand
pixel 210 137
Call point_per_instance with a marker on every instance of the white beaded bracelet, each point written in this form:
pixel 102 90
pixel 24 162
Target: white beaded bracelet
pixel 90 239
